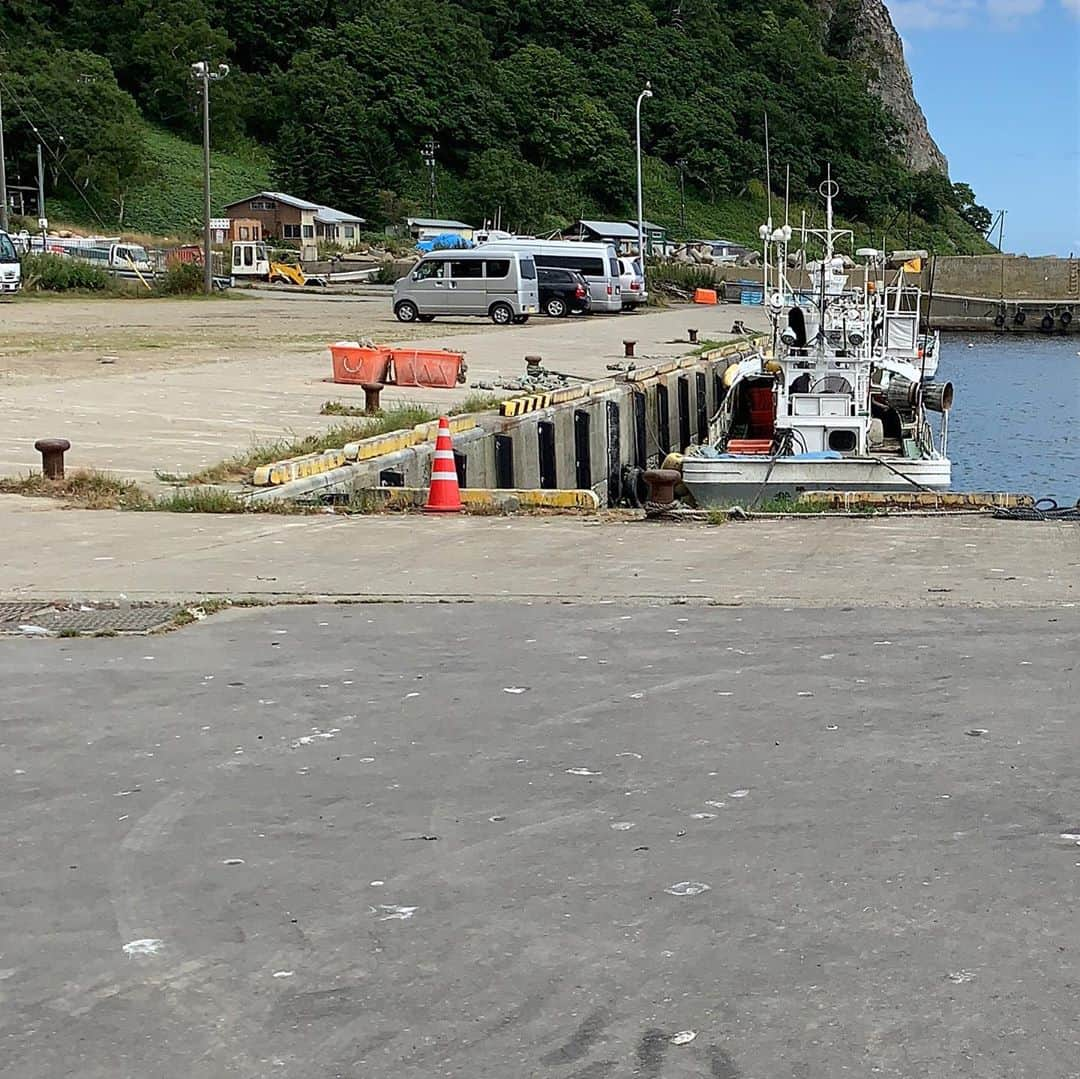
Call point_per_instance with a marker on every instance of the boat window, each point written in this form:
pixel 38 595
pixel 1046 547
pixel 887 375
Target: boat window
pixel 842 441
pixel 249 256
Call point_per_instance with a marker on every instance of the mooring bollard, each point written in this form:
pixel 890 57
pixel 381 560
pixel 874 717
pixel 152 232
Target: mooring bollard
pixel 52 452
pixel 692 334
pixel 534 365
pixel 371 397
pixel 661 483
pixel 628 349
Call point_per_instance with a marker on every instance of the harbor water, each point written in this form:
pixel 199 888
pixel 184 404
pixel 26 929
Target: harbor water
pixel 1016 422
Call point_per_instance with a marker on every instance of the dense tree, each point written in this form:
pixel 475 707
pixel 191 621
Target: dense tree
pixel 70 102
pixel 977 216
pixel 531 101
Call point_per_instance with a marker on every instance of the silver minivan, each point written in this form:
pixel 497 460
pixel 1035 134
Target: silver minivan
pixel 497 285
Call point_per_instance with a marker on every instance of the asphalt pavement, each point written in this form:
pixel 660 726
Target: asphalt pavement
pixel 571 841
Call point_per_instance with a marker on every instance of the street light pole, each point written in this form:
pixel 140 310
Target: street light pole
pixel 427 155
pixel 647 92
pixel 200 71
pixel 3 173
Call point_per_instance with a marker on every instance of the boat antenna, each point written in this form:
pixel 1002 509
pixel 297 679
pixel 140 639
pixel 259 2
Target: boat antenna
pixel 768 170
pixel 930 294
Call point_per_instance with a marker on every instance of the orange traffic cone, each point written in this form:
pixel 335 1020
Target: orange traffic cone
pixel 444 495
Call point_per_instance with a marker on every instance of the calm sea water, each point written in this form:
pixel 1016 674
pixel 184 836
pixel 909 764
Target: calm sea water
pixel 1015 425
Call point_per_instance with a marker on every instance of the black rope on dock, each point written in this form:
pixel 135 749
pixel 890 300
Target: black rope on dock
pixel 1046 509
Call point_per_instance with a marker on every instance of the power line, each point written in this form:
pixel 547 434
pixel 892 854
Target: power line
pixel 55 156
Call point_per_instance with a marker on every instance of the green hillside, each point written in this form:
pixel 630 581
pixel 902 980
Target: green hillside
pixel 170 202
pixel 530 103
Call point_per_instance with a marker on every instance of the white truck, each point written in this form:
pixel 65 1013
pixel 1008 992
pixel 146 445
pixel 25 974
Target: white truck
pixel 10 267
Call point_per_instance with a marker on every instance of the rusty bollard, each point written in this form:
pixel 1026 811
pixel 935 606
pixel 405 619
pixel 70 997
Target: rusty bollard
pixel 52 452
pixel 534 366
pixel 661 483
pixel 371 397
pixel 692 334
pixel 628 349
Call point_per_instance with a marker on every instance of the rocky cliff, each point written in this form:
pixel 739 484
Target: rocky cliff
pixel 862 30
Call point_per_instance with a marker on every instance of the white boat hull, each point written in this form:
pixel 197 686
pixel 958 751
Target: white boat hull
pixel 722 481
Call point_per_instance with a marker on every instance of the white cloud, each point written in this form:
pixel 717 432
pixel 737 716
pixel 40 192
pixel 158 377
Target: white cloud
pixel 931 14
pixel 1011 10
pixel 911 15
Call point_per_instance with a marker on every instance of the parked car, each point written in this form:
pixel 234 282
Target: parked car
pixel 632 281
pixel 562 292
pixel 597 263
pixel 500 285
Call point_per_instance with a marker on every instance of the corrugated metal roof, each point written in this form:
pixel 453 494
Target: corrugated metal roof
pixel 277 196
pixel 614 229
pixel 648 226
pixel 327 215
pixel 436 223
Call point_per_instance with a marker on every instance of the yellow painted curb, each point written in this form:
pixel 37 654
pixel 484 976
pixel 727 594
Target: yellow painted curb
pixel 641 374
pixel 406 497
pixel 428 432
pixel 571 393
pixel 601 385
pixel 377 445
pixel 518 406
pixel 666 368
pixel 851 500
pixel 298 468
pixel 395 441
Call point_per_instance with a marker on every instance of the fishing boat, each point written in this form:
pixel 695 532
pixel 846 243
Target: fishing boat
pixel 841 399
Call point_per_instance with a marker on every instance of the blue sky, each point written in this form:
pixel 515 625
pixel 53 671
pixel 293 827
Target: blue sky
pixel 999 81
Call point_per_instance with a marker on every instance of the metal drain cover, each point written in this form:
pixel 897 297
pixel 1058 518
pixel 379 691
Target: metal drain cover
pixel 15 613
pixel 85 618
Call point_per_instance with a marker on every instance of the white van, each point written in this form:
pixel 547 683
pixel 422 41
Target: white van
pixel 598 263
pixel 10 267
pixel 500 285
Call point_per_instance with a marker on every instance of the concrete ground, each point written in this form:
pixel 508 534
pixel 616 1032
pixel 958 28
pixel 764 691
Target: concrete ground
pixel 191 383
pixel 578 842
pixel 52 553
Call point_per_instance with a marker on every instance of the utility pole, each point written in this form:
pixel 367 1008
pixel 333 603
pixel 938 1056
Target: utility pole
pixel 3 173
pixel 43 221
pixel 200 71
pixel 681 166
pixel 427 155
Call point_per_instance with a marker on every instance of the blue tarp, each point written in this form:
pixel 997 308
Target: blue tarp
pixel 445 241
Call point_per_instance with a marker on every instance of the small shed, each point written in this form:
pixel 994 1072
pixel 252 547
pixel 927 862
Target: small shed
pixel 655 235
pixel 427 228
pixel 619 233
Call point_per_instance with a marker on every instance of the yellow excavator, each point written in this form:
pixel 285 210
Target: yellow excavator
pixel 252 261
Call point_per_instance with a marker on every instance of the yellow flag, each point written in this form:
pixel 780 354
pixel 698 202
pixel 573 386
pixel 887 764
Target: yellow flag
pixel 913 266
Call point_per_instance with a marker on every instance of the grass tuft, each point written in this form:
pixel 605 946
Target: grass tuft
pixel 215 500
pixel 242 465
pixel 85 488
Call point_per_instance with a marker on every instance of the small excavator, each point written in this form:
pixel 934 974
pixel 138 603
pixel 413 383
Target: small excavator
pixel 252 261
